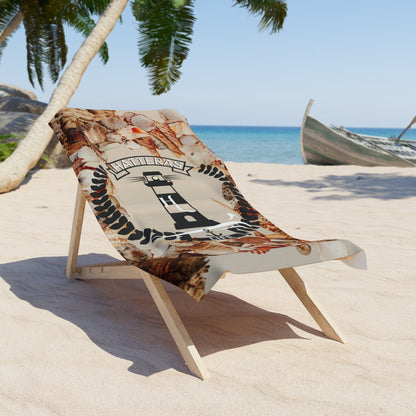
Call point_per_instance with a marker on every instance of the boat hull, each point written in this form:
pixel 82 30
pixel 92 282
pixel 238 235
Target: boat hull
pixel 322 145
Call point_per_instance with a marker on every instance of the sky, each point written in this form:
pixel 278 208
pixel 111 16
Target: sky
pixel 355 58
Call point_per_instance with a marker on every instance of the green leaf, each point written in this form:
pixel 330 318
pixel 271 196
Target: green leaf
pixel 2 46
pixel 272 12
pixel 34 48
pixel 6 147
pixel 8 10
pixel 165 30
pixel 85 25
pixel 44 22
pixel 55 49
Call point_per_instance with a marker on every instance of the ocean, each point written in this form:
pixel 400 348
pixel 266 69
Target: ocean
pixel 269 144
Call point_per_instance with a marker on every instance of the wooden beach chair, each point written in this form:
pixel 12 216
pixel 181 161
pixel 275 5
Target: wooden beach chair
pixel 170 207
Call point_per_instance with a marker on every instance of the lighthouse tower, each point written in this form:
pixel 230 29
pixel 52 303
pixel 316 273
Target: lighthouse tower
pixel 184 215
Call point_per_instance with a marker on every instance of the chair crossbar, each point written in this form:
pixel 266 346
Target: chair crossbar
pixel 125 270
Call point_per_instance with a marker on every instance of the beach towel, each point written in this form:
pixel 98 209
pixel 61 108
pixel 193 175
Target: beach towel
pixel 169 205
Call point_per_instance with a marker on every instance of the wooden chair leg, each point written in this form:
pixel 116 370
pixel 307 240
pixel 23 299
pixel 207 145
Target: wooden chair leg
pixel 75 233
pixel 314 308
pixel 178 331
pixel 176 328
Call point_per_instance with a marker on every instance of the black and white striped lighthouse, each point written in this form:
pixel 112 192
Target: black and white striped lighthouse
pixel 183 214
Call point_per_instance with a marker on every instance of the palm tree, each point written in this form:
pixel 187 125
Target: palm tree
pixel 44 27
pixel 165 26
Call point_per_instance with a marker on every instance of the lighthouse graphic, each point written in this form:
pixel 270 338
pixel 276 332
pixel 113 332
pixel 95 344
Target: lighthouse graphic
pixel 184 215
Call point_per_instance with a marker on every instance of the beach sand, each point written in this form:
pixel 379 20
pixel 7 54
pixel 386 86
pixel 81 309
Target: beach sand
pixel 101 347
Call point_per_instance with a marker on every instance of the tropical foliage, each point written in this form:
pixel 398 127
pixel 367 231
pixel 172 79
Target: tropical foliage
pixel 272 12
pixel 166 28
pixel 165 32
pixel 44 22
pixel 6 147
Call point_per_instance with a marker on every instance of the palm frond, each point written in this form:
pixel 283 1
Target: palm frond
pixel 2 46
pixel 55 49
pixel 96 6
pixel 84 25
pixel 165 29
pixel 44 22
pixel 79 16
pixel 35 49
pixel 8 10
pixel 272 12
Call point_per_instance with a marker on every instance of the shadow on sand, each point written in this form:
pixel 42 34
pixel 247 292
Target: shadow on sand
pixel 360 185
pixel 120 317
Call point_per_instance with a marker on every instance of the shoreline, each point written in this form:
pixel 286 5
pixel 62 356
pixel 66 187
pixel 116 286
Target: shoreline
pixel 73 347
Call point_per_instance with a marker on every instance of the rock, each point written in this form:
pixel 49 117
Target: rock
pixel 11 90
pixel 20 123
pixel 22 105
pixel 16 123
pixel 18 111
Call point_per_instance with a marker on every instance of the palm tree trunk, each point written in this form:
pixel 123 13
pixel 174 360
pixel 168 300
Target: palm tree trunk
pixel 14 169
pixel 12 26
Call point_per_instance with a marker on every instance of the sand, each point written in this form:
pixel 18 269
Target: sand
pixel 101 348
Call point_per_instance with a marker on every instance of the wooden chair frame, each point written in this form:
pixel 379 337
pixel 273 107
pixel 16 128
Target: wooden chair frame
pixel 124 270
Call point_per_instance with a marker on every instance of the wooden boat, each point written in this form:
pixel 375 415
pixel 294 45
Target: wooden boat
pixel 323 145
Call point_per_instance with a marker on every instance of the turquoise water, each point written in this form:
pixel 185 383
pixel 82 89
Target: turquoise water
pixel 269 144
